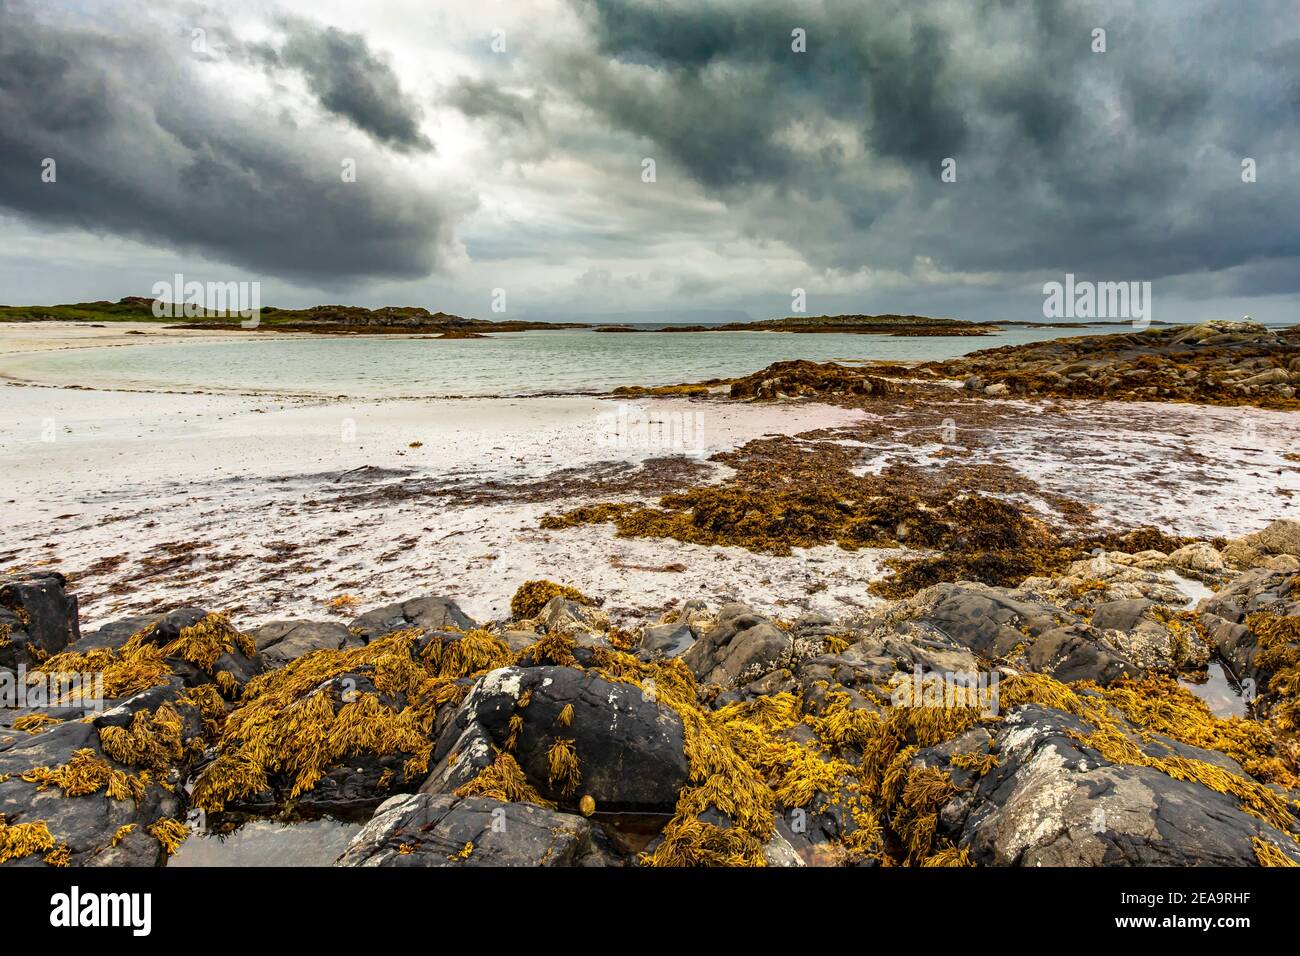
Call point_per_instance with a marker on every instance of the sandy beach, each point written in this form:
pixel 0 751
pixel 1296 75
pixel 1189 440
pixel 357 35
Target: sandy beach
pixel 266 505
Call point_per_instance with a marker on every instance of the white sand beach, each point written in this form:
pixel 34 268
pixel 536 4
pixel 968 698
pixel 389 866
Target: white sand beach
pixel 273 507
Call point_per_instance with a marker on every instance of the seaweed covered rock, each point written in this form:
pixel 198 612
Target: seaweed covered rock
pixel 996 625
pixel 531 598
pixel 431 612
pixel 571 734
pixel 800 377
pixel 105 790
pixel 199 647
pixel 282 641
pixel 343 729
pixel 1054 800
pixel 37 618
pixel 443 830
pixel 202 647
pixel 1226 363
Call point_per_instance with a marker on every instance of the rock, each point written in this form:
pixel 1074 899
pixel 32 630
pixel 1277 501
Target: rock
pixel 429 612
pixel 86 825
pixel 424 829
pixel 667 640
pixel 1054 801
pixel 236 663
pixel 1241 555
pixel 995 390
pixel 694 613
pixel 564 616
pixel 778 851
pixel 115 634
pixel 1225 614
pixel 1135 630
pixel 630 748
pixel 1121 615
pixel 37 618
pixel 741 647
pixel 1110 577
pixel 282 641
pixel 993 623
pixel 1198 557
pixel 518 640
pixel 1274 376
pixel 1288 563
pixel 1280 537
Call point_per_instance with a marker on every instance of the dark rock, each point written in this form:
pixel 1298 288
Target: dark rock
pixel 741 647
pixel 1054 801
pixel 86 824
pixel 990 622
pixel 1121 615
pixel 666 640
pixel 1224 615
pixel 37 618
pixel 115 634
pixel 282 641
pixel 429 612
pixel 630 748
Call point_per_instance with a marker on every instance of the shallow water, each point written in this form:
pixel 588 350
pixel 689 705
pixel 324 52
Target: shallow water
pixel 517 363
pixel 1220 694
pixel 269 843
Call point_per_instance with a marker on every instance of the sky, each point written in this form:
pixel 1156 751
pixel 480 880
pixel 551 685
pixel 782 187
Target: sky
pixel 900 156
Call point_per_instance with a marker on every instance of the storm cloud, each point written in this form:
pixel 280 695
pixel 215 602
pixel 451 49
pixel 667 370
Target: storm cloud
pixel 351 81
pixel 147 142
pixel 1066 158
pixel 483 165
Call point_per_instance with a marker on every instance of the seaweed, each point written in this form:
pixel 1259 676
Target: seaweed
pixel 295 722
pixel 86 773
pixel 18 840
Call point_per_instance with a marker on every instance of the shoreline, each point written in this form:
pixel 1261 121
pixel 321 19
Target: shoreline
pixel 328 540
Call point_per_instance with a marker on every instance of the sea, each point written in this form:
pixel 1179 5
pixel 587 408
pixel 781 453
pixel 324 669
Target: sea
pixel 544 362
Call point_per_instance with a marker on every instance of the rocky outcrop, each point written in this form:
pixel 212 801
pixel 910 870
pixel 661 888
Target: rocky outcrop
pixel 740 647
pixel 1055 801
pixel 1219 362
pixel 98 799
pixel 704 738
pixel 995 623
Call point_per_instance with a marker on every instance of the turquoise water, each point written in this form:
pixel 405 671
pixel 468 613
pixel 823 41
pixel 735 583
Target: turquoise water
pixel 521 363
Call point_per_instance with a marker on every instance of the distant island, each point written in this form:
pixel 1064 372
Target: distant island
pixel 407 320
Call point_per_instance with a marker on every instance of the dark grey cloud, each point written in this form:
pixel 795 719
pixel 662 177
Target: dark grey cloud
pixel 351 81
pixel 149 144
pixel 1123 162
